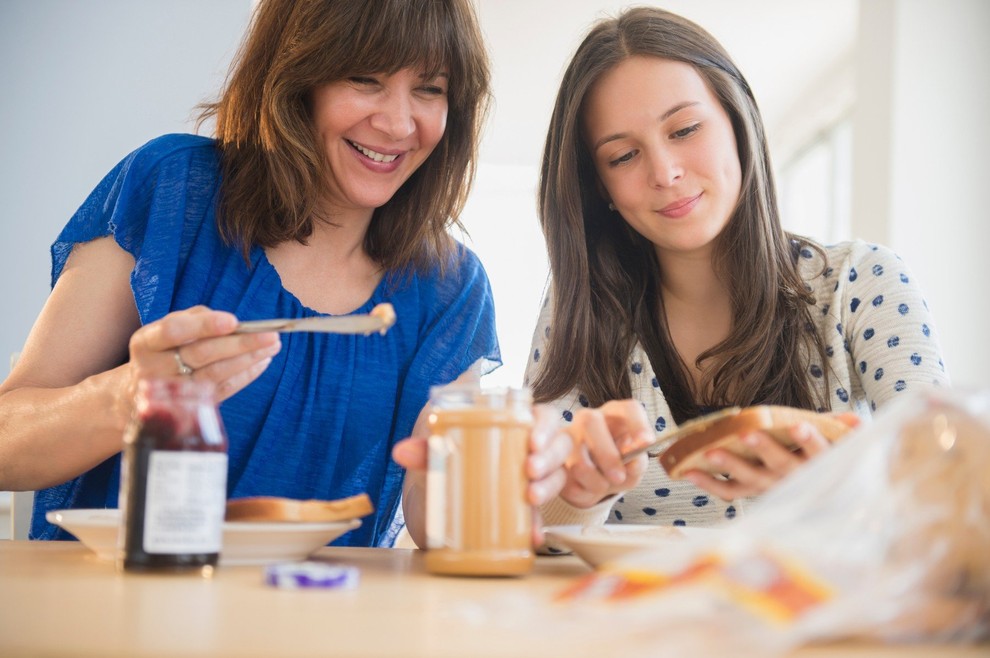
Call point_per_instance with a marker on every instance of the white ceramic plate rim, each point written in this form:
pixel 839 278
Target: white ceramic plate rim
pixel 245 542
pixel 621 534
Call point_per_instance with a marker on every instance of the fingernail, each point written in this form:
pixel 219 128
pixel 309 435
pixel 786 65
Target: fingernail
pixel 537 494
pixel 715 458
pixel 617 476
pixel 538 464
pixel 751 439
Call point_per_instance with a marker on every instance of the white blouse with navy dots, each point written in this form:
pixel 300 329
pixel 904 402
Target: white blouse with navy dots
pixel 880 340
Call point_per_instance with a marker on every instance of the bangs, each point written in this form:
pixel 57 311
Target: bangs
pixel 390 35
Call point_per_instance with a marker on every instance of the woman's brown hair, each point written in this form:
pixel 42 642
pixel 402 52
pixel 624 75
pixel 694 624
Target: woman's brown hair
pixel 605 276
pixel 274 171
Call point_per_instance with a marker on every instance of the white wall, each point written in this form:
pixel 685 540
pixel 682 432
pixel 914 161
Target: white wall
pixel 85 82
pixel 922 157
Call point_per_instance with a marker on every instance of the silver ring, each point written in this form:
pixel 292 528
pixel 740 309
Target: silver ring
pixel 184 369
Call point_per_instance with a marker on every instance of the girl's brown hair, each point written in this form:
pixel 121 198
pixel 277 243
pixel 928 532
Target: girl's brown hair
pixel 274 170
pixel 605 276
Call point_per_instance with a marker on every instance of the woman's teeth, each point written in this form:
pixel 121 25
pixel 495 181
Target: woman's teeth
pixel 374 155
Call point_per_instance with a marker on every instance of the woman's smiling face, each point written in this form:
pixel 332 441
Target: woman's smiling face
pixel 665 152
pixel 376 130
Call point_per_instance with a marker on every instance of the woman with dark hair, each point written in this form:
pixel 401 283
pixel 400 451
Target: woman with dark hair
pixel 345 146
pixel 674 283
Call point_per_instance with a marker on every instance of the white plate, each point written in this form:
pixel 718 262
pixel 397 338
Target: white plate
pixel 597 545
pixel 244 542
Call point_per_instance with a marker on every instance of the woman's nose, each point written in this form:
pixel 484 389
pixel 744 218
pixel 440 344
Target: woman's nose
pixel 394 117
pixel 665 169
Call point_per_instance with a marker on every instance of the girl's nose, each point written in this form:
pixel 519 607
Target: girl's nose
pixel 665 169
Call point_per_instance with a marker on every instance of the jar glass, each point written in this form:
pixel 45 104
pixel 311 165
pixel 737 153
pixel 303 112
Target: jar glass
pixel 173 479
pixel 478 521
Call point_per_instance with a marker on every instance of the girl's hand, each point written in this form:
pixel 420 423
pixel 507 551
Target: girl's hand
pixel 774 461
pixel 594 469
pixel 199 339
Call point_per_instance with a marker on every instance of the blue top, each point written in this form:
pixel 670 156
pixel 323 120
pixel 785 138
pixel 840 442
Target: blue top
pixel 321 421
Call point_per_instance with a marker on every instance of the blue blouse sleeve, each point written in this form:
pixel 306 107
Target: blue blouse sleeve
pixel 459 330
pixel 136 203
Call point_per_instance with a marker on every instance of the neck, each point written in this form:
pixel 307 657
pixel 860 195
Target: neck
pixel 690 280
pixel 331 273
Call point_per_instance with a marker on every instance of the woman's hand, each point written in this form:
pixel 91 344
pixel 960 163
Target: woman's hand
pixel 594 469
pixel 773 461
pixel 549 448
pixel 198 342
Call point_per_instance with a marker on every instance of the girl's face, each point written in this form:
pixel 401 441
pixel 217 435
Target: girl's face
pixel 376 131
pixel 665 152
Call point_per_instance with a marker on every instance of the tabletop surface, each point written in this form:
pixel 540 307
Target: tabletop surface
pixel 58 599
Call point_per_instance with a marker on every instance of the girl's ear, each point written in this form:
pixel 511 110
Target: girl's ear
pixel 602 192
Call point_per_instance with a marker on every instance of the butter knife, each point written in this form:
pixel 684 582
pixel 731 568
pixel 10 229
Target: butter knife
pixel 379 319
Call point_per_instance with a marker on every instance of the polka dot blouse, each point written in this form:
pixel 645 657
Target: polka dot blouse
pixel 880 342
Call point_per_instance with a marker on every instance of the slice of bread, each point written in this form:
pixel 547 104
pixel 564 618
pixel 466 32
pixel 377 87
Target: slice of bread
pixel 688 445
pixel 272 509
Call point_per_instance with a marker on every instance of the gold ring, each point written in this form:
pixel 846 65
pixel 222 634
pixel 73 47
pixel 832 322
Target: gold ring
pixel 184 369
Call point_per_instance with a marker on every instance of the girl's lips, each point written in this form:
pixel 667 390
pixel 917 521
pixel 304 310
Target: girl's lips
pixel 680 207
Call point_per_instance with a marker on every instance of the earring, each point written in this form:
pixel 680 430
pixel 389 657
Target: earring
pixel 611 206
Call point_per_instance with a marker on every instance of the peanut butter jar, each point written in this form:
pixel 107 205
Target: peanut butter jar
pixel 478 522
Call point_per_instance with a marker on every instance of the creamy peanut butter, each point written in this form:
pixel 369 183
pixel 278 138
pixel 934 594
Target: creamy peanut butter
pixel 478 520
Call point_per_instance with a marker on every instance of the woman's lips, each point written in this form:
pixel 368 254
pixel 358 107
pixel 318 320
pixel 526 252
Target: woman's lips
pixel 377 160
pixel 680 207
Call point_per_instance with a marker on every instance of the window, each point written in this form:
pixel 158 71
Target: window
pixel 815 185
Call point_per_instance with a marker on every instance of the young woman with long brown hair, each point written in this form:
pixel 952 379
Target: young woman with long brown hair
pixel 674 284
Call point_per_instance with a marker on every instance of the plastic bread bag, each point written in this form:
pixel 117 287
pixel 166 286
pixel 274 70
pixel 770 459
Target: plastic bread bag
pixel 885 537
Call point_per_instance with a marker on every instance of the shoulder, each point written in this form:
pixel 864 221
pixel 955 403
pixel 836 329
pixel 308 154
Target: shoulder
pixel 859 253
pixel 461 283
pixel 845 263
pixel 174 150
pixel 462 269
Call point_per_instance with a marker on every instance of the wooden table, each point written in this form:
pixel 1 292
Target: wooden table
pixel 58 599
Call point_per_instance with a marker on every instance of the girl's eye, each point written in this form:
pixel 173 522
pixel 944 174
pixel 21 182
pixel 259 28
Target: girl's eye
pixel 362 80
pixel 686 132
pixel 626 157
pixel 433 90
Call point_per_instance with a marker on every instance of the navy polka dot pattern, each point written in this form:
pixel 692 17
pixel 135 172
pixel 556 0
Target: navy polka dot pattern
pixel 880 339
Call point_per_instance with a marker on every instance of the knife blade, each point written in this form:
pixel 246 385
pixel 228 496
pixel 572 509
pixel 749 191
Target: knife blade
pixel 380 319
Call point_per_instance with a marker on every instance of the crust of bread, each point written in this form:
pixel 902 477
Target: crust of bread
pixel 724 430
pixel 272 509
